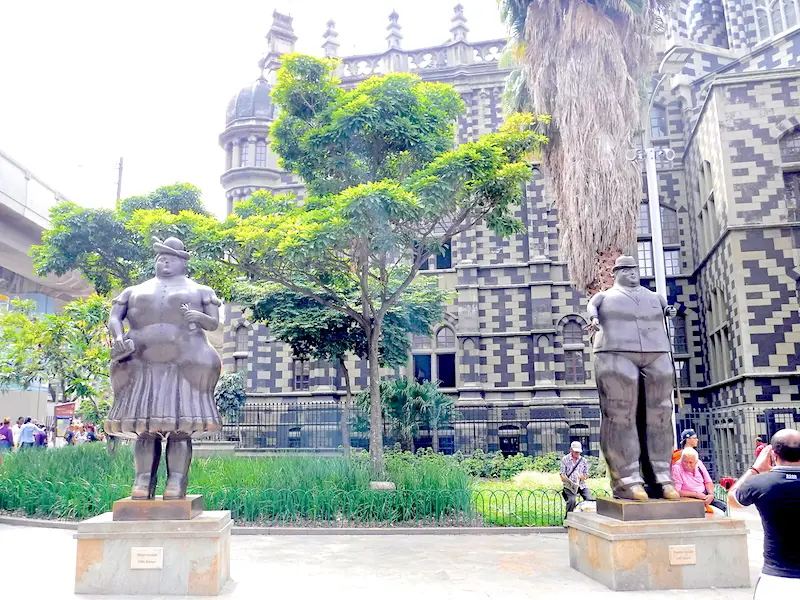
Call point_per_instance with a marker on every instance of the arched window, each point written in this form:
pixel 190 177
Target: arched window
pixel 658 122
pixel 669 226
pixel 775 16
pixel 261 153
pixel 445 338
pixel 241 338
pixel 573 333
pixel 244 148
pixel 790 147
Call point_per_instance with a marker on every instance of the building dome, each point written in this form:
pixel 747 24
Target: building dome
pixel 252 102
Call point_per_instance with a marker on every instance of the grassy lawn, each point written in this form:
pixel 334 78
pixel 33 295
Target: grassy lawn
pixel 79 482
pixel 530 498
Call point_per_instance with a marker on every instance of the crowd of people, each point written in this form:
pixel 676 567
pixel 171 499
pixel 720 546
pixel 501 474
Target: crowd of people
pixel 27 432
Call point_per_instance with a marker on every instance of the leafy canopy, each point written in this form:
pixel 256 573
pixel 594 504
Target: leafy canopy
pixel 386 190
pixel 69 351
pixel 101 243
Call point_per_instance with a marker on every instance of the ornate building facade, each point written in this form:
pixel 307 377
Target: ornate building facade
pixel 511 348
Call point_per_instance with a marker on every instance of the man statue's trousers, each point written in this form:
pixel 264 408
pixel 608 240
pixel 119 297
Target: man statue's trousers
pixel 618 375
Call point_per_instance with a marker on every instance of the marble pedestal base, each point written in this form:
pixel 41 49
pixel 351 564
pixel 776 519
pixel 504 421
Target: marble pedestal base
pixel 660 554
pixel 181 557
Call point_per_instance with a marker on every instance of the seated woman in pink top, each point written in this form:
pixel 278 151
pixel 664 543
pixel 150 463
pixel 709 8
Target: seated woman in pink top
pixel 691 479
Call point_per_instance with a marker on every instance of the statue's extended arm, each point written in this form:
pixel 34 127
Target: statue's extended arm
pixel 594 309
pixel 115 326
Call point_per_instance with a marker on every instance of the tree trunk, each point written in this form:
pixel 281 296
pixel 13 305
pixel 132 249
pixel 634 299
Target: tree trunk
pixel 435 435
pixel 346 408
pixel 375 409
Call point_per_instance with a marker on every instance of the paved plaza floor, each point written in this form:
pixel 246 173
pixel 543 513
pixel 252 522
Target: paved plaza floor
pixel 374 567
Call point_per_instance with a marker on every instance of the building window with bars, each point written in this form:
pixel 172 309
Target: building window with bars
pixel 645 256
pixel 643 225
pixel 243 150
pixel 672 262
pixel 261 153
pixel 669 226
pixel 420 342
pixel 574 372
pixel 682 373
pixel 658 122
pixel 677 333
pixel 573 333
pixel 302 375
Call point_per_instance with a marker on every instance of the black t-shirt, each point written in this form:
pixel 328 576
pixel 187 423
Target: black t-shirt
pixel 777 497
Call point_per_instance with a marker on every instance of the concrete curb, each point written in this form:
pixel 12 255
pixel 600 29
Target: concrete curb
pixel 396 530
pixel 71 525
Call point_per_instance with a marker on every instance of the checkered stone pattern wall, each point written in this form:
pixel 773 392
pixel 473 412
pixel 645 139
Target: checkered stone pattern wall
pixel 507 361
pixel 741 24
pixel 717 276
pixel 706 146
pixel 772 310
pixel 678 21
pixel 706 23
pixel 781 54
pixel 750 113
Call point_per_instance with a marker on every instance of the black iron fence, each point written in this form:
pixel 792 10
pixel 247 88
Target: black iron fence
pixel 727 437
pixel 319 426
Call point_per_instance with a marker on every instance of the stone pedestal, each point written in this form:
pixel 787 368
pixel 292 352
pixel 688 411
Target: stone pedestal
pixel 659 554
pixel 156 557
pixel 158 509
pixel 652 510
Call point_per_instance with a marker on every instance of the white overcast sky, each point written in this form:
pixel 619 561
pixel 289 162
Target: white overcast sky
pixel 85 82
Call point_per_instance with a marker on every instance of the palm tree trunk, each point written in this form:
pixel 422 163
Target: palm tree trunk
pixel 435 434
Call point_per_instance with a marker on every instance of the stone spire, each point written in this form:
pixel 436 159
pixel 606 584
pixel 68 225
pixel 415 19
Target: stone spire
pixel 330 45
pixel 280 40
pixel 393 28
pixel 459 28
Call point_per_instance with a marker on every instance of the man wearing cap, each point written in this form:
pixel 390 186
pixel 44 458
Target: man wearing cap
pixel 631 346
pixel 574 473
pixel 688 440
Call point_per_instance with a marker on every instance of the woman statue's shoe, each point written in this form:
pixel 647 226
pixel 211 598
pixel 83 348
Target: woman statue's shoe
pixel 144 487
pixel 176 487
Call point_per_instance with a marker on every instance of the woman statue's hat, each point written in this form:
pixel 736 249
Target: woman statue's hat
pixel 625 262
pixel 171 245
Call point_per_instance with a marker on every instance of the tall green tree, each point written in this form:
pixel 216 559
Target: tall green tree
pixel 387 190
pixel 101 244
pixel 67 351
pixel 564 48
pixel 314 330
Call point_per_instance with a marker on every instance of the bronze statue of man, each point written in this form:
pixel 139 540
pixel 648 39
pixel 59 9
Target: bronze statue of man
pixel 632 347
pixel 163 370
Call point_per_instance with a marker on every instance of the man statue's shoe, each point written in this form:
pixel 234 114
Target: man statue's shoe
pixel 635 492
pixel 669 492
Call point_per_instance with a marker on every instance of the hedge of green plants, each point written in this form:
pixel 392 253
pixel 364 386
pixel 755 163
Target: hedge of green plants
pixel 79 482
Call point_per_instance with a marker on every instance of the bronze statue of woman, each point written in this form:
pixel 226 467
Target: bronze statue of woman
pixel 163 370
